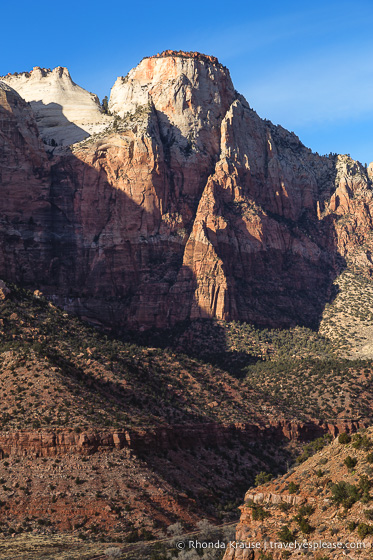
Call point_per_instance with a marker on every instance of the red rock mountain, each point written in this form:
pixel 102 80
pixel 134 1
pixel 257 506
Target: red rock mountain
pixel 188 205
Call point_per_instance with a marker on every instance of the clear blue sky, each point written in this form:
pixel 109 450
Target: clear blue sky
pixel 306 66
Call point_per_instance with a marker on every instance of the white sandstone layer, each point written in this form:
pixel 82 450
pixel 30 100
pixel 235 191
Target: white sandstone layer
pixel 65 112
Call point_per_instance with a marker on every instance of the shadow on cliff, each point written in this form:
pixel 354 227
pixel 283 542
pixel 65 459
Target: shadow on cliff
pixel 114 261
pixel 275 284
pixel 124 266
pixel 56 126
pixel 111 258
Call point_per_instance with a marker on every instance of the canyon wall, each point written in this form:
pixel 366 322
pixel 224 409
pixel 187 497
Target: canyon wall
pixel 48 443
pixel 188 205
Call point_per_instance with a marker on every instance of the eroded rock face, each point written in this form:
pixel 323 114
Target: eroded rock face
pixel 49 443
pixel 189 205
pixel 25 208
pixel 65 112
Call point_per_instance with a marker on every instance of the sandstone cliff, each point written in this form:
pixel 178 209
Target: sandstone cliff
pixel 189 205
pixel 25 206
pixel 65 112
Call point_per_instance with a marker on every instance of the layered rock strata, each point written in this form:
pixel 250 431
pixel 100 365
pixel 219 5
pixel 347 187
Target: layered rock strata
pixel 48 443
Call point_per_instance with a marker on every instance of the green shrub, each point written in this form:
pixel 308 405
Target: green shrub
pixel 369 514
pixel 259 513
pixel 285 535
pixel 370 457
pixel 364 530
pixel 304 526
pixel 344 438
pixel 262 478
pixel 365 499
pixel 284 506
pixel 345 494
pixel 314 446
pixel 293 488
pixel 364 484
pixel 350 462
pixel 306 510
pixel 361 442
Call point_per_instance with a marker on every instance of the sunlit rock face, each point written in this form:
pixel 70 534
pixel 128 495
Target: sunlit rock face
pixel 65 112
pixel 189 205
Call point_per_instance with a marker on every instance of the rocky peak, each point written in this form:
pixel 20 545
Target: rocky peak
pixel 190 92
pixel 191 54
pixel 65 112
pixel 190 205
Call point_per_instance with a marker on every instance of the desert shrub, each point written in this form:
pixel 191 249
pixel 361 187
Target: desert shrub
pixel 365 499
pixel 370 457
pixel 364 484
pixel 361 442
pixel 293 488
pixel 312 447
pixel 369 514
pixel 113 552
pixel 285 535
pixel 351 525
pixel 305 510
pixel 262 478
pixel 207 530
pixel 259 513
pixel 344 438
pixel 350 462
pixel 284 506
pixel 364 530
pixel 175 530
pixel 304 526
pixel 345 494
pixel 133 536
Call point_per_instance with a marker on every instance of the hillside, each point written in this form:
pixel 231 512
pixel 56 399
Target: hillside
pixel 186 302
pixel 83 410
pixel 327 499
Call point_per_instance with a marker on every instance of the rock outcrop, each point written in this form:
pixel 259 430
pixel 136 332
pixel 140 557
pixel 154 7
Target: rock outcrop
pixel 49 443
pixel 191 206
pixel 321 506
pixel 65 112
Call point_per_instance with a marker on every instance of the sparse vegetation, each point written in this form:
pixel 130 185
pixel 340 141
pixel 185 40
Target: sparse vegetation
pixel 344 438
pixel 345 494
pixel 286 535
pixel 262 478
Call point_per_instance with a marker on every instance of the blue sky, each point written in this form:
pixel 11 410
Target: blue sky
pixel 306 66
